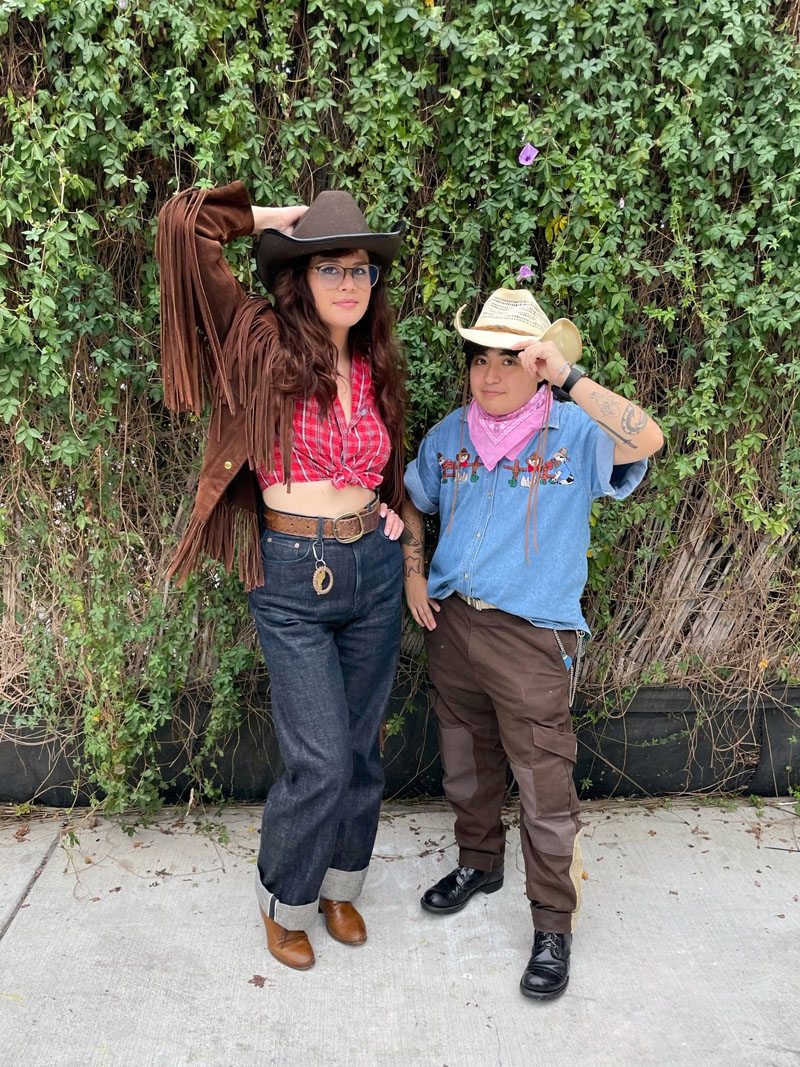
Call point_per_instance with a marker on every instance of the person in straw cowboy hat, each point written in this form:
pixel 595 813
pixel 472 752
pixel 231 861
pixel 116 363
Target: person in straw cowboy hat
pixel 501 607
pixel 307 397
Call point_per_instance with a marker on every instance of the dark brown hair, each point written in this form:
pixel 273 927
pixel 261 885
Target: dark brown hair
pixel 311 358
pixel 471 350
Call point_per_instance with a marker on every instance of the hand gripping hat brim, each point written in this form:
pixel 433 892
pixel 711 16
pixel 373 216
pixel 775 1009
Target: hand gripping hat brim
pixel 512 315
pixel 333 221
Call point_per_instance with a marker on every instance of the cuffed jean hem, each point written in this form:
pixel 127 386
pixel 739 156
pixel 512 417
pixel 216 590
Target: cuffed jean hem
pixel 289 916
pixel 342 885
pixel 479 861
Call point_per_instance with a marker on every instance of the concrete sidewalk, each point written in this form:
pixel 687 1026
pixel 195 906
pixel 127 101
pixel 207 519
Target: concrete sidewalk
pixel 148 950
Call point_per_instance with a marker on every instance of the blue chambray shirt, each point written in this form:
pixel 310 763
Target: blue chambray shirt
pixel 483 555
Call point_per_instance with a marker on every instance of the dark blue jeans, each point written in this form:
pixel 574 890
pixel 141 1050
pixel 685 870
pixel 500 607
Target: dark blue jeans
pixel 332 661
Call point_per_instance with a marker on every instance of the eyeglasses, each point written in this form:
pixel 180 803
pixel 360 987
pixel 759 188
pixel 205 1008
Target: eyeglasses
pixel 331 275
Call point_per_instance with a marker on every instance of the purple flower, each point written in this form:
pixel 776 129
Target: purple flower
pixel 122 4
pixel 524 272
pixel 528 154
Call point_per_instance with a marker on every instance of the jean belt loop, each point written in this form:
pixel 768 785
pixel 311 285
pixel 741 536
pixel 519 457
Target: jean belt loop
pixel 323 575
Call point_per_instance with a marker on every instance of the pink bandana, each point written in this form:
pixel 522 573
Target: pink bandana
pixel 497 436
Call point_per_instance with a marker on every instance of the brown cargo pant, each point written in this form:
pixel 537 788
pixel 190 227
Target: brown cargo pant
pixel 502 694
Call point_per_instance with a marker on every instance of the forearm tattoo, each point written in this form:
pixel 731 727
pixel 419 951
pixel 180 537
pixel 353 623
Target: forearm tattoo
pixel 617 434
pixel 412 565
pixel 633 419
pixel 606 406
pixel 412 551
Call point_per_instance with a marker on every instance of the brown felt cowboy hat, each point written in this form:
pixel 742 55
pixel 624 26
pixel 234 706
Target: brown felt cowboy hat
pixel 333 221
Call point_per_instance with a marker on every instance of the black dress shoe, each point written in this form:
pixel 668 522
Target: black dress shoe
pixel 547 973
pixel 452 892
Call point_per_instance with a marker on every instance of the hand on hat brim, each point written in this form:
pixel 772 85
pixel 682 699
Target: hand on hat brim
pixel 563 334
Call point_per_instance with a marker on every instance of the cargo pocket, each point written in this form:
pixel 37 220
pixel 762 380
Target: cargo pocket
pixel 554 755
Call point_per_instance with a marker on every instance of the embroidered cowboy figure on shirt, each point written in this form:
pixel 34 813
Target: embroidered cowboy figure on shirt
pixel 533 463
pixel 446 466
pixel 476 463
pixel 562 475
pixel 462 459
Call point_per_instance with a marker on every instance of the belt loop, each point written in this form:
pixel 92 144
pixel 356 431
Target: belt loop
pixel 320 529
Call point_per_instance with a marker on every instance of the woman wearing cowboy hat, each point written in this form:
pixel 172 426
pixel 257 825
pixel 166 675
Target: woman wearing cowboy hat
pixel 501 606
pixel 306 431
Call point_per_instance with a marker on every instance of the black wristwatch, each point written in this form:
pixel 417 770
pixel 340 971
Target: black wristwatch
pixel 576 372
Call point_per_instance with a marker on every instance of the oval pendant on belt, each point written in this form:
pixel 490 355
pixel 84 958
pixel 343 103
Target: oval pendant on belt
pixel 322 574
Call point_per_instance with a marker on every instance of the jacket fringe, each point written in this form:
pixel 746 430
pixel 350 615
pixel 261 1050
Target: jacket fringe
pixel 255 365
pixel 230 534
pixel 192 364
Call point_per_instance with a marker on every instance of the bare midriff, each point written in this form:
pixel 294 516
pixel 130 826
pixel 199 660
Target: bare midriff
pixel 317 498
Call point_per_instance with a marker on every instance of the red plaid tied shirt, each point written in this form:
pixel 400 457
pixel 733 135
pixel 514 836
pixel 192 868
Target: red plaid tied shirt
pixel 351 453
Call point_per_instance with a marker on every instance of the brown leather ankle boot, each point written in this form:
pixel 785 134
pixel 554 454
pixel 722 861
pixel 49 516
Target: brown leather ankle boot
pixel 291 947
pixel 343 921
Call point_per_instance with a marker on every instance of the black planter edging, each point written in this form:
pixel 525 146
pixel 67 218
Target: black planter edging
pixel 662 745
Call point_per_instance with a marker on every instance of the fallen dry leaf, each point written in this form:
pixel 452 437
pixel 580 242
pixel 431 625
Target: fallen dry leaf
pixel 781 916
pixel 22 833
pixel 257 980
pixel 116 889
pixel 585 876
pixel 652 833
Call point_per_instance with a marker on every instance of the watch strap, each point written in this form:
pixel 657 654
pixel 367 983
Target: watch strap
pixel 575 375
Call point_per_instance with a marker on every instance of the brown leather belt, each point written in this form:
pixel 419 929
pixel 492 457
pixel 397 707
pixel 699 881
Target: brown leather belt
pixel 344 528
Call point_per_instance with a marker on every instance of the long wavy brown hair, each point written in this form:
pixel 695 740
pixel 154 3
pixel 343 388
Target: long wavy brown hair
pixel 311 357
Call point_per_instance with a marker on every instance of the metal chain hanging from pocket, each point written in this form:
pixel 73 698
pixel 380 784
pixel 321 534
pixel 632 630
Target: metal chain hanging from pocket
pixel 573 666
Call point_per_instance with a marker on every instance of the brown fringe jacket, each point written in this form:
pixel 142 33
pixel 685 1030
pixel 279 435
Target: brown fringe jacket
pixel 220 345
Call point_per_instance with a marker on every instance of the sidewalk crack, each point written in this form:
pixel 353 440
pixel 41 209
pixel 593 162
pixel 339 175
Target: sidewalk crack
pixel 26 891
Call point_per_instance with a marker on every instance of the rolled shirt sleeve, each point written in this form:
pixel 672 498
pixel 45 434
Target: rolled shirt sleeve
pixel 424 476
pixel 609 480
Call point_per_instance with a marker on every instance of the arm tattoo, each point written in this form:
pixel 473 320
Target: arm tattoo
pixel 606 406
pixel 617 434
pixel 412 565
pixel 633 419
pixel 413 541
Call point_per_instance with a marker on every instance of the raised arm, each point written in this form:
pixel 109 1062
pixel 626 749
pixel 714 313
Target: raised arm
pixel 198 289
pixel 635 434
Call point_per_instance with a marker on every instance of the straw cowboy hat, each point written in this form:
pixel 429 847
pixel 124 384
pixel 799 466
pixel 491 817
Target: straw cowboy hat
pixel 512 315
pixel 334 220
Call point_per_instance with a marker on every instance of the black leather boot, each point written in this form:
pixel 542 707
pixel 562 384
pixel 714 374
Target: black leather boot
pixel 452 892
pixel 547 973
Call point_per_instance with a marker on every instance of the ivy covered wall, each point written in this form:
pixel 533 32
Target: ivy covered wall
pixel 661 213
